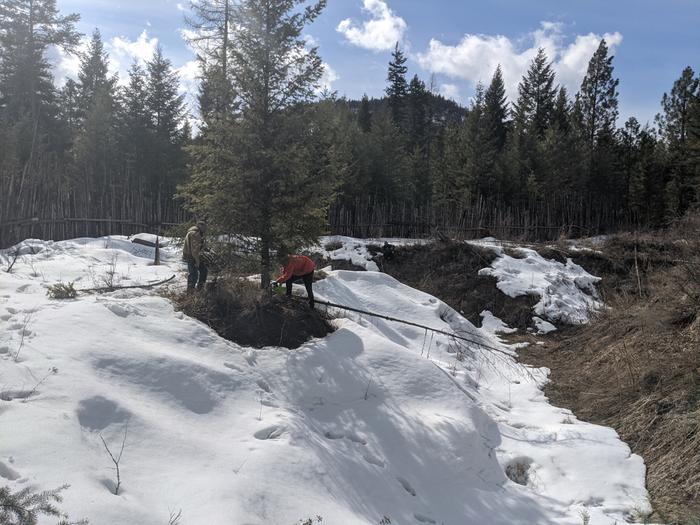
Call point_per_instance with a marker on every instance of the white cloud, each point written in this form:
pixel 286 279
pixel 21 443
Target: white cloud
pixel 141 49
pixel 329 76
pixel 450 91
pixel 180 7
pixel 476 57
pixel 64 65
pixel 380 32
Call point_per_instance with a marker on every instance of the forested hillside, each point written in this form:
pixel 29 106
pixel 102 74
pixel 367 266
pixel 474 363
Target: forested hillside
pixel 101 154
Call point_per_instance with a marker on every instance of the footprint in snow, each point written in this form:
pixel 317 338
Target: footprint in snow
pixel 263 384
pixel 122 310
pixel 233 367
pixel 9 395
pixel 373 460
pixel 273 432
pixel 8 473
pixel 423 519
pixel 252 357
pixel 407 486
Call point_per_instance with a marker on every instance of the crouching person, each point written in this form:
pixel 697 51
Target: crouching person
pixel 297 268
pixel 192 254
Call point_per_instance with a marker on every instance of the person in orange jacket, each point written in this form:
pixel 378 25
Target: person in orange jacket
pixel 296 268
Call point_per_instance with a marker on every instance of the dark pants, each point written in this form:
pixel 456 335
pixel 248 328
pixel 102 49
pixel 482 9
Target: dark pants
pixel 308 280
pixel 197 275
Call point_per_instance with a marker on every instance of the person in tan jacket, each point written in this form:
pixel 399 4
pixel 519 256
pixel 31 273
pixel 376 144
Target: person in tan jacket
pixel 192 255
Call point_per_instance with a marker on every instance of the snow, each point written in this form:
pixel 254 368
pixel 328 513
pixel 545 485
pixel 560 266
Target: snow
pixel 542 326
pixel 377 419
pixel 357 250
pixel 493 325
pixel 567 292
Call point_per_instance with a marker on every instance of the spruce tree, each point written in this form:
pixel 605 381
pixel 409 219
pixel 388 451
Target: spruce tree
pixel 364 115
pixel 134 134
pixel 95 154
pixel 496 109
pixel 254 175
pixel 211 25
pixel 397 90
pixel 674 124
pixel 27 29
pixel 536 96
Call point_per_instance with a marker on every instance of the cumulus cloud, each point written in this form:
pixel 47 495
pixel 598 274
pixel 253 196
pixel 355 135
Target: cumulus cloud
pixel 329 76
pixel 380 32
pixel 449 91
pixel 141 49
pixel 476 57
pixel 121 50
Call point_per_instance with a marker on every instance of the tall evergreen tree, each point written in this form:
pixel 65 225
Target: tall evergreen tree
pixel 496 109
pixel 210 34
pixel 397 90
pixel 536 96
pixel 595 115
pixel 27 29
pixel 674 125
pixel 95 155
pixel 597 99
pixel 165 111
pixel 364 115
pixel 261 185
pixel 134 136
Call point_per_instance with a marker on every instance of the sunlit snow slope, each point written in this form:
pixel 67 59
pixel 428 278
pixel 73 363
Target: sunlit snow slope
pixel 378 419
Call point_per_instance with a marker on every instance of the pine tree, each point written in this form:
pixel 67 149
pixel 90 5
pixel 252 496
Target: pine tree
pixel 597 99
pixel 134 136
pixel 94 79
pixel 595 115
pixel 253 175
pixel 496 109
pixel 95 154
pixel 27 29
pixel 211 35
pixel 694 143
pixel 164 105
pixel 364 115
pixel 536 96
pixel 674 125
pixel 397 90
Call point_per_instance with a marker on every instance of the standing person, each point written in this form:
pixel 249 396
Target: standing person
pixel 296 268
pixel 192 254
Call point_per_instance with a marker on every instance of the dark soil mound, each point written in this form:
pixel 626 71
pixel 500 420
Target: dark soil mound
pixel 449 270
pixel 240 312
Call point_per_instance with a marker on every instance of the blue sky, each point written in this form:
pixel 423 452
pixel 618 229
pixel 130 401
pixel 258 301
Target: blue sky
pixel 454 42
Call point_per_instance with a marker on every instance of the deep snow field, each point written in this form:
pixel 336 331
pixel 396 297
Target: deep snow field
pixel 376 420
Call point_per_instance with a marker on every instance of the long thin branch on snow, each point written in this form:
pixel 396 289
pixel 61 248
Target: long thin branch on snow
pixel 118 458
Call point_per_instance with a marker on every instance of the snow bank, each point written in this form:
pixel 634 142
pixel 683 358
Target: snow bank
pixel 567 292
pixel 357 250
pixel 378 419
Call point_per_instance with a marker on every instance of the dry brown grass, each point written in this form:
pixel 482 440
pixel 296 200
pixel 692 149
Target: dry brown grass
pixel 636 367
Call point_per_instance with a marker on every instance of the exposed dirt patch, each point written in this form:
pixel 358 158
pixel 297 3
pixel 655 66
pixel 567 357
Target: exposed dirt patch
pixel 449 270
pixel 239 311
pixel 636 367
